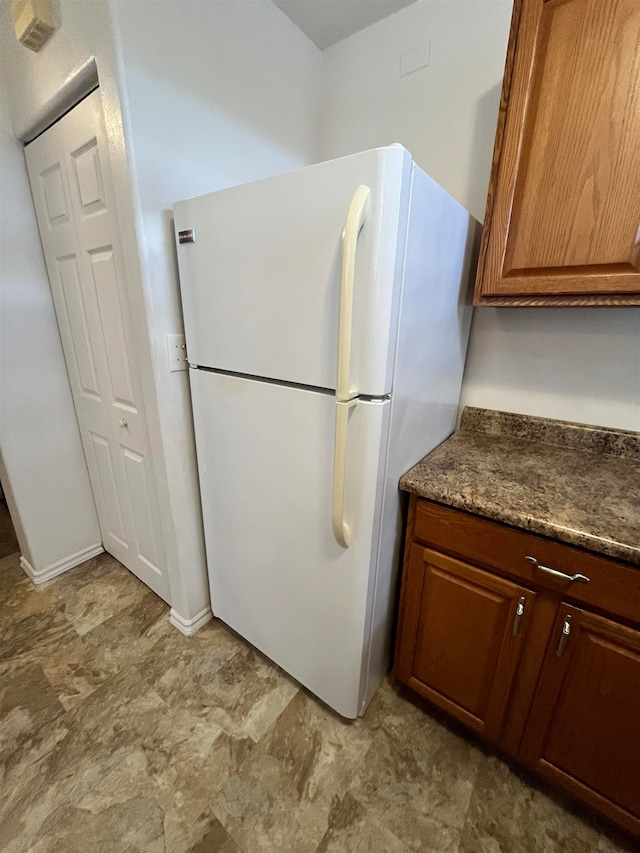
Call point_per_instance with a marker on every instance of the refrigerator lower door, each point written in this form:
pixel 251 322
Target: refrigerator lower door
pixel 278 576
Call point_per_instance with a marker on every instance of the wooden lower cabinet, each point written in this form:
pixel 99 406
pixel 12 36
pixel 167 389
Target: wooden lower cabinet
pixel 513 657
pixel 467 627
pixel 583 731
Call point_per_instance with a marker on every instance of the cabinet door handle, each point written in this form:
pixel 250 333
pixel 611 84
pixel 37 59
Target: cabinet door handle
pixel 519 614
pixel 564 636
pixel 549 571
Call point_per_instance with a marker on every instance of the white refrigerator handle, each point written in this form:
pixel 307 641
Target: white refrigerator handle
pixel 340 527
pixel 356 217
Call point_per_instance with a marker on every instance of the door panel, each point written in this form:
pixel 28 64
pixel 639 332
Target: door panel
pixel 461 637
pixel 73 196
pixel 111 316
pixel 139 493
pixel 583 728
pixel 277 575
pixel 77 325
pixel 565 217
pixel 273 311
pixel 88 175
pixel 108 489
pixel 57 211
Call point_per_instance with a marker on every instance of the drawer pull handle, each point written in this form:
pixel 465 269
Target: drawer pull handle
pixel 564 637
pixel 519 614
pixel 556 573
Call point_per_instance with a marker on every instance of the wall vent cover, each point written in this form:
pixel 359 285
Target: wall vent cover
pixel 33 22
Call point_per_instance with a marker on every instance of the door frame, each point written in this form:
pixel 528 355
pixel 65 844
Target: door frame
pixel 165 395
pixel 117 448
pixel 77 87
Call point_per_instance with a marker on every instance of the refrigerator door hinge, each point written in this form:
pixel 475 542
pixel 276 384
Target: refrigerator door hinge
pixel 366 398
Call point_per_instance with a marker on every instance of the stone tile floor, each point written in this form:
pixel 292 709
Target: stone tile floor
pixel 119 734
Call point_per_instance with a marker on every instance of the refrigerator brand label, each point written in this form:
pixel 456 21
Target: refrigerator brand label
pixel 187 236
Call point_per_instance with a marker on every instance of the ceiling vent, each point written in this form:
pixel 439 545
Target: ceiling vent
pixel 33 21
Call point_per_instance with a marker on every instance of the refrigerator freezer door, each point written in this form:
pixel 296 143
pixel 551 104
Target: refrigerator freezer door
pixel 277 575
pixel 261 283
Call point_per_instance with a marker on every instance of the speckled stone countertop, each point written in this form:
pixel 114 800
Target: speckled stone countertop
pixel 575 483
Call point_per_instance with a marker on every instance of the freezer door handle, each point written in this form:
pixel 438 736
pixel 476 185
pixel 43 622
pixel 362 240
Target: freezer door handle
pixel 341 529
pixel 356 217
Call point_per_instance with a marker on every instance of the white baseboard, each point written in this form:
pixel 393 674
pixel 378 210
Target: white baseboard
pixel 55 569
pixel 190 626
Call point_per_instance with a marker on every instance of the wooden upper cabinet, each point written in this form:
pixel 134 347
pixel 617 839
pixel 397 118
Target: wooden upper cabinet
pixel 563 214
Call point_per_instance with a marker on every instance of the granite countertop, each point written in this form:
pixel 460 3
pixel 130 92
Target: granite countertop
pixel 575 483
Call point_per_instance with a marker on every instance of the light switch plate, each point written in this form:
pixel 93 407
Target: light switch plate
pixel 177 351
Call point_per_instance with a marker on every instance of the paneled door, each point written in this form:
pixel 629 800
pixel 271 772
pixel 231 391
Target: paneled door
pixel 563 215
pixel 73 194
pixel 460 637
pixel 582 733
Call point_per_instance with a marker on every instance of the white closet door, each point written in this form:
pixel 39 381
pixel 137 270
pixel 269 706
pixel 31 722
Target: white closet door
pixel 73 195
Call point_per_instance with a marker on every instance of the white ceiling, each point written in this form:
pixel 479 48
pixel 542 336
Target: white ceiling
pixel 326 22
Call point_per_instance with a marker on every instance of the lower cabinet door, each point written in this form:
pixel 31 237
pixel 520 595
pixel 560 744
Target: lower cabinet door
pixel 460 637
pixel 583 732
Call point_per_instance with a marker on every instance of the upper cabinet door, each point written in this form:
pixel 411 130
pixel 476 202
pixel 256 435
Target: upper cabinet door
pixel 563 214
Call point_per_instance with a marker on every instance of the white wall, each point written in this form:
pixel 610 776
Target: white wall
pixel 576 364
pixel 42 464
pixel 444 114
pixel 569 363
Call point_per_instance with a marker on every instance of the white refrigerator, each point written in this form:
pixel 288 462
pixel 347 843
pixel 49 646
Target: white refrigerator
pixel 326 314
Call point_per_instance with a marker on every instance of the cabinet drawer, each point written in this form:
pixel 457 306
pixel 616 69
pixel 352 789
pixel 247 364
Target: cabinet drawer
pixel 613 587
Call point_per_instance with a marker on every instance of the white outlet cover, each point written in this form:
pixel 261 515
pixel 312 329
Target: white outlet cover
pixel 177 352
